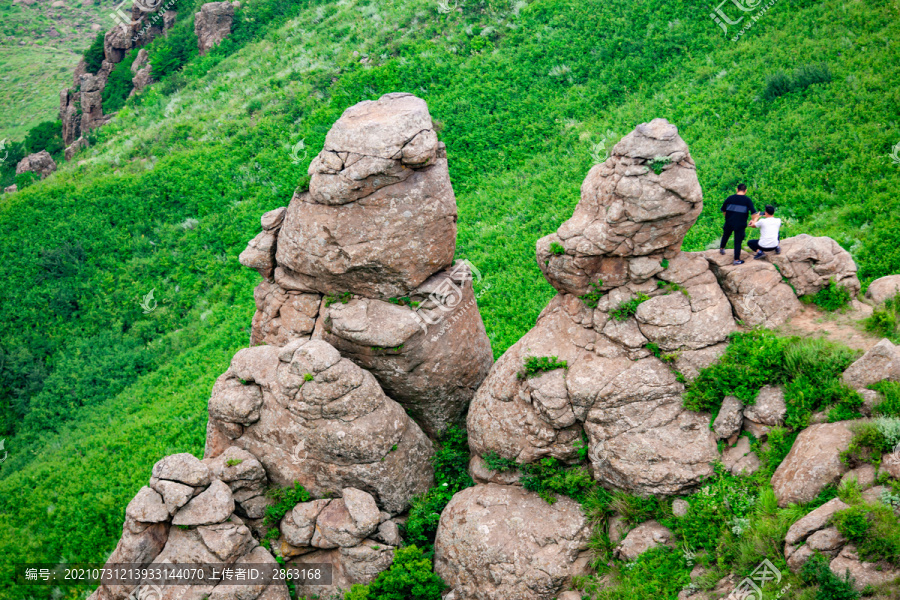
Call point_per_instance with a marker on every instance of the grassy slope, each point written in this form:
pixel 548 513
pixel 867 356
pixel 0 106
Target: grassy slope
pixel 35 64
pixel 519 122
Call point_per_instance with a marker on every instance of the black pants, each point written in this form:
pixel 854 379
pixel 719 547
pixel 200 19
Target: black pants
pixel 738 239
pixel 754 245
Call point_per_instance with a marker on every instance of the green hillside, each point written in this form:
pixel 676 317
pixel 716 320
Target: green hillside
pixel 39 47
pixel 805 108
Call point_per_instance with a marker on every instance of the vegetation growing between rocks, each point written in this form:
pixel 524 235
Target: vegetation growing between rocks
pixel 831 298
pixel 809 369
pixel 540 364
pixel 118 85
pixel 628 308
pixel 885 320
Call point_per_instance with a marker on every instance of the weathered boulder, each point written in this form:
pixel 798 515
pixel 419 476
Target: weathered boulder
pixel 814 521
pixel 213 24
pixel 141 70
pixel 116 43
pixel 769 408
pixel 628 402
pixel 281 315
pixel 313 417
pixel 499 541
pixel 730 418
pixel 147 507
pixel 260 251
pixel 863 475
pixel 881 362
pixel 213 505
pixel 755 290
pixel 695 315
pixel 69 115
pixel 883 288
pixel 380 214
pixel 357 564
pixel 627 212
pixel 642 538
pixel 813 462
pixel 809 263
pixel 40 162
pixel 863 574
pixel 183 468
pixel 346 521
pixel 430 358
pixel 739 459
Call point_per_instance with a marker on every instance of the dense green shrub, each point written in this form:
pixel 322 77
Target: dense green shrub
pixel 93 56
pixel 119 85
pixel 23 180
pixel 831 297
pixel 871 439
pixel 890 405
pixel 885 320
pixel 549 476
pixel 45 136
pixel 781 83
pixel 171 52
pixel 817 572
pixel 410 577
pixel 873 528
pixel 451 474
pixel 809 370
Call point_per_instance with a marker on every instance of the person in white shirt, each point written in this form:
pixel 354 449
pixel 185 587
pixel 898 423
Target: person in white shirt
pixel 768 227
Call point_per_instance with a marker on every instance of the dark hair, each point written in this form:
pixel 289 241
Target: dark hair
pixel 770 209
pixel 742 187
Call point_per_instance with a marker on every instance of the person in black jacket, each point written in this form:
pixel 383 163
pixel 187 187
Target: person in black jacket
pixel 737 208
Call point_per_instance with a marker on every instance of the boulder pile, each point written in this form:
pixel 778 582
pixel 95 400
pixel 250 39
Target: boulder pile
pixel 351 364
pixel 367 344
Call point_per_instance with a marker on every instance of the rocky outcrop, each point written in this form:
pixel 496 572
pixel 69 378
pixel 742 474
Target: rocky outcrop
pixel 380 215
pixel 634 210
pixel 186 517
pixel 811 525
pixel 809 263
pixel 864 574
pixel 499 541
pixel 627 401
pixel 755 289
pixel 213 24
pixel 881 362
pixel 813 462
pixel 316 418
pixel 883 288
pixel 364 261
pixel 141 70
pixel 40 163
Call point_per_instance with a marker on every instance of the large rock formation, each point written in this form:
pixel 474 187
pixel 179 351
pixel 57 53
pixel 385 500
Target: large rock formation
pixel 316 418
pixel 213 24
pixel 40 163
pixel 380 215
pixel 375 234
pixel 500 541
pixel 883 288
pixel 810 262
pixel 626 400
pixel 187 517
pixel 628 211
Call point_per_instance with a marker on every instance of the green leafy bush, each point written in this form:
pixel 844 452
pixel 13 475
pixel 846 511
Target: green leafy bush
pixel 495 462
pixel 540 364
pixel 627 309
pixel 557 249
pixel 658 162
pixel 118 85
pixel 592 298
pixel 171 52
pixel 781 83
pixel 284 500
pixel 549 476
pixel 832 297
pixel 451 474
pixel 409 577
pixel 873 528
pixel 817 572
pixel 45 136
pixel 885 320
pixel 890 405
pixel 867 444
pixel 23 180
pixel 93 56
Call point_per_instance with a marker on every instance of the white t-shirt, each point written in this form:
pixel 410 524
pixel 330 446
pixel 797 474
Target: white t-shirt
pixel 768 231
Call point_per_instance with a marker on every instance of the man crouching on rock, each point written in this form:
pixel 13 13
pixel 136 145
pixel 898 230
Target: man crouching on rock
pixel 737 208
pixel 768 227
